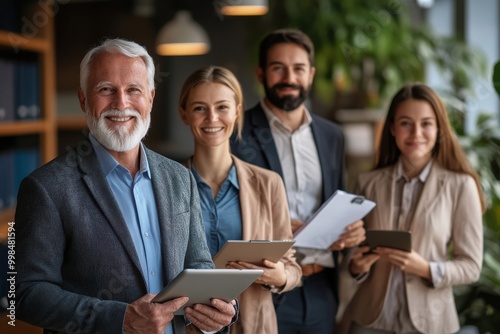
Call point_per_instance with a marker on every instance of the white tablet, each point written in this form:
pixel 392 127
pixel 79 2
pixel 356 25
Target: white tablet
pixel 252 251
pixel 201 285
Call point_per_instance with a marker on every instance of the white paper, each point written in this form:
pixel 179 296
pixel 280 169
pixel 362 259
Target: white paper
pixel 328 223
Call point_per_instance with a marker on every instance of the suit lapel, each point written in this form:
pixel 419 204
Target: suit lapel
pixel 324 152
pixel 247 180
pixel 432 189
pixel 103 195
pixel 263 136
pixel 384 197
pixel 161 186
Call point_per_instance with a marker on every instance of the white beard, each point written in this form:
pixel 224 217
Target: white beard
pixel 118 138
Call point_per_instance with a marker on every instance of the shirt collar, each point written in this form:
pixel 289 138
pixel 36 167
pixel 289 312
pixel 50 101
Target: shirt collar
pixel 231 177
pixel 424 174
pixel 273 119
pixel 108 163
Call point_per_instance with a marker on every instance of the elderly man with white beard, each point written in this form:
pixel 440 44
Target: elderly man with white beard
pixel 101 230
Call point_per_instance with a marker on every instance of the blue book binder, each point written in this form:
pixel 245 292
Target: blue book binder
pixel 27 101
pixel 6 90
pixel 7 194
pixel 26 160
pixel 32 85
pixel 21 110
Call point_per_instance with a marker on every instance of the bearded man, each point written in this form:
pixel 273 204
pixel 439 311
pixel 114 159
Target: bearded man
pixel 102 229
pixel 280 134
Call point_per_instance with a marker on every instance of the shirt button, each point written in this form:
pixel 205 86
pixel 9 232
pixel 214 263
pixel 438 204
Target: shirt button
pixel 146 234
pixel 153 272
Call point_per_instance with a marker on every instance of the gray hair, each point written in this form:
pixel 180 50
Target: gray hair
pixel 117 45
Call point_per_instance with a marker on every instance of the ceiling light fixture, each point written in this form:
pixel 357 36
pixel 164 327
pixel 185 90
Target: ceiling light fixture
pixel 182 37
pixel 244 7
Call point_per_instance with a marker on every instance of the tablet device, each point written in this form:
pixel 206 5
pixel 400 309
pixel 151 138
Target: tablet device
pixel 389 238
pixel 252 251
pixel 201 285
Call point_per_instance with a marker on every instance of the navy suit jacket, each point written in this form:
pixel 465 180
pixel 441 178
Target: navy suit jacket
pixel 257 146
pixel 76 262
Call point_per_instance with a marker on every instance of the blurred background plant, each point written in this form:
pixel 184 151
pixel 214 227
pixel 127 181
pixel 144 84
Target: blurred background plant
pixel 357 61
pixel 479 304
pixel 365 51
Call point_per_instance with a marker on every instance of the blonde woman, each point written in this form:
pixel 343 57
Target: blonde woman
pixel 239 201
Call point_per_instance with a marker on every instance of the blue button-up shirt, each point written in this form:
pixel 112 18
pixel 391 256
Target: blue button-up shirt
pixel 222 215
pixel 137 203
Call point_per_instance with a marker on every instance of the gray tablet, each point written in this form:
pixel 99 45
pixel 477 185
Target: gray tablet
pixel 388 238
pixel 201 285
pixel 252 251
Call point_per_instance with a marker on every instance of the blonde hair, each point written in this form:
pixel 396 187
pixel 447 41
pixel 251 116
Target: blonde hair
pixel 214 74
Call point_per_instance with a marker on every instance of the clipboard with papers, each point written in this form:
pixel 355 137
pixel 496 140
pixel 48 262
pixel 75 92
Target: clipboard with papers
pixel 328 223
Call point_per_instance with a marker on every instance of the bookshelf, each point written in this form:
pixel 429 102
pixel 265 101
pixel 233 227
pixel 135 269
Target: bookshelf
pixel 34 46
pixel 38 44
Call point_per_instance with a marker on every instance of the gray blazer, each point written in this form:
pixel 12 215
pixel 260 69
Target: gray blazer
pixel 76 264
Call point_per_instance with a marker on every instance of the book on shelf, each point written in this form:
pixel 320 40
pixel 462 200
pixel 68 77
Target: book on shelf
pixel 7 171
pixel 6 90
pixel 15 165
pixel 27 101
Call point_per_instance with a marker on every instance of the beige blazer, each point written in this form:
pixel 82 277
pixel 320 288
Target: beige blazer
pixel 448 213
pixel 265 215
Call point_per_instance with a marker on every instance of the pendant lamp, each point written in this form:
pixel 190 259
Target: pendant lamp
pixel 244 7
pixel 182 37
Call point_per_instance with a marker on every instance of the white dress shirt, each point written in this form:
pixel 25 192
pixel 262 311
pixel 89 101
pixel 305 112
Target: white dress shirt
pixel 302 176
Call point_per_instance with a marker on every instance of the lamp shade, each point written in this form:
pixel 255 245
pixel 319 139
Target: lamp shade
pixel 244 7
pixel 182 37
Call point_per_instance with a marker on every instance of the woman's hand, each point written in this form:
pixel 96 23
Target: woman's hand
pixel 408 262
pixel 353 236
pixel 274 273
pixel 362 260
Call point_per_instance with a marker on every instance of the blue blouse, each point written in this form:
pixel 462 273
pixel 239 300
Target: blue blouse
pixel 222 215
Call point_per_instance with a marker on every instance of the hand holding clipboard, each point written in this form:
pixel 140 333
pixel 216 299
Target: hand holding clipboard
pixel 330 220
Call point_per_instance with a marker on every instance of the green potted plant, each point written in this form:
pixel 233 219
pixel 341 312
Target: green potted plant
pixel 365 50
pixel 479 304
pixel 356 53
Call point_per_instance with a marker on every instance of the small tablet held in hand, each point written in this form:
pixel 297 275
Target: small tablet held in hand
pixel 388 238
pixel 201 285
pixel 251 251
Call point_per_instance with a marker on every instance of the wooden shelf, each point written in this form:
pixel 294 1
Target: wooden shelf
pixel 38 43
pixel 6 216
pixel 21 327
pixel 41 44
pixel 17 128
pixel 18 42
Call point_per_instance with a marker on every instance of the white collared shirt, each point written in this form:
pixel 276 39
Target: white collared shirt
pixel 301 174
pixel 395 315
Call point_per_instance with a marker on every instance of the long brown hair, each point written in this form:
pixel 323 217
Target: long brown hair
pixel 447 152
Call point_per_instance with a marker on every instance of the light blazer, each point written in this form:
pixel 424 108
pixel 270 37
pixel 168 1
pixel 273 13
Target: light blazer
pixel 448 212
pixel 76 262
pixel 265 216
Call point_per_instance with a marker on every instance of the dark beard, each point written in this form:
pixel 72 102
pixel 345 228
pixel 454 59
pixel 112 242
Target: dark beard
pixel 286 102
